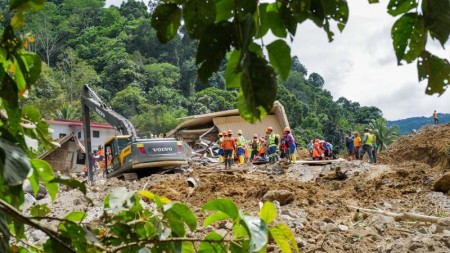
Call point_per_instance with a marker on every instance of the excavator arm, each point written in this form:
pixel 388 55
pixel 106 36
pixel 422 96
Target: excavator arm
pixel 90 101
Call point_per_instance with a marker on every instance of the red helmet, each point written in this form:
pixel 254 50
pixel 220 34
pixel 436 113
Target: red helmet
pixel 229 132
pixel 255 136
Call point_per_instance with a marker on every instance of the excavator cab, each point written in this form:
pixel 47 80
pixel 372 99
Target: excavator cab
pixel 117 148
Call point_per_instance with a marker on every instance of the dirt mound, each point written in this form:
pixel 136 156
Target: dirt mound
pixel 430 145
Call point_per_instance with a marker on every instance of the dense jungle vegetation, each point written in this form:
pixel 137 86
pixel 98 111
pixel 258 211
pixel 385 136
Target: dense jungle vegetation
pixel 116 50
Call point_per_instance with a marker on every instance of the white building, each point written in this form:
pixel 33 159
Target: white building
pixel 100 132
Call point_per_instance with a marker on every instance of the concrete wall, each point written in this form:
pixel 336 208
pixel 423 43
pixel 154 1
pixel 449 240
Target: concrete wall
pixel 60 129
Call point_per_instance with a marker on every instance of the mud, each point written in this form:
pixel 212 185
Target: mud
pixel 321 211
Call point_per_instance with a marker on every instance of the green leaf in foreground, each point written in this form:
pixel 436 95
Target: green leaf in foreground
pixel 39 210
pixel 120 199
pixel 226 206
pixel 14 163
pixel 76 216
pixel 206 247
pixel 254 102
pixel 280 57
pixel 268 212
pixel 166 20
pixel 258 232
pixel 284 238
pixel 214 217
pixel 198 14
pixel 436 70
pixel 397 7
pixel 213 46
pixel 178 214
pixel 65 180
pixel 437 19
pixel 43 168
pixel 26 5
pixel 4 234
pixel 409 37
pixel 232 73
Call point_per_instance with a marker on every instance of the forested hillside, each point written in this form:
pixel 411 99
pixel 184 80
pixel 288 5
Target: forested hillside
pixel 115 49
pixel 406 126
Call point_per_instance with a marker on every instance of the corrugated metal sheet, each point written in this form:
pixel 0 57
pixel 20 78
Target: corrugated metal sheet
pixel 197 125
pixel 236 123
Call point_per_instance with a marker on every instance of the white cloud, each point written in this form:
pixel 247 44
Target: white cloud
pixel 360 63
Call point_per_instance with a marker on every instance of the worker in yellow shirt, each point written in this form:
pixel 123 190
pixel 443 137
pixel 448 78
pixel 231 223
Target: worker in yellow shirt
pixel 367 142
pixel 240 147
pixel 374 146
pixel 356 144
pixel 220 151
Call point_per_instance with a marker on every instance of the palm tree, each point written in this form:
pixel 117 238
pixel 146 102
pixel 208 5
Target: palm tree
pixel 68 111
pixel 385 135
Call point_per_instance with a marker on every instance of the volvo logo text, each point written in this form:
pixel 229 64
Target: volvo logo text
pixel 161 149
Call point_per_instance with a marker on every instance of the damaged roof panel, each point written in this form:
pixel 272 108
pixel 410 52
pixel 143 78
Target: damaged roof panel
pixel 197 125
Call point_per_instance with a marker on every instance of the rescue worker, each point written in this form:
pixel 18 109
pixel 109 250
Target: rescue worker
pixel 271 145
pixel 228 145
pixel 291 145
pixel 435 117
pixel 240 147
pixel 262 147
pixel 349 145
pixel 356 144
pixel 220 151
pixel 254 146
pixel 374 146
pixel 310 148
pixel 277 142
pixel 317 151
pixel 367 141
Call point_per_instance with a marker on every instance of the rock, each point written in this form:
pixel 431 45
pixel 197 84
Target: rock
pixel 77 202
pixel 282 196
pixel 422 230
pixel 387 205
pixel 415 245
pixel 287 213
pixel 328 220
pixel 380 222
pixel 442 225
pixel 343 227
pixel 327 227
pixel 300 242
pixel 38 235
pixel 443 183
pixel 311 241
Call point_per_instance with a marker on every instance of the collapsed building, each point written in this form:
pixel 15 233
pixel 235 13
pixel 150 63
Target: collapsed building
pixel 207 126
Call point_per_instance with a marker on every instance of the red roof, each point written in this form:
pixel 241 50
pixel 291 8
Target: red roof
pixel 79 123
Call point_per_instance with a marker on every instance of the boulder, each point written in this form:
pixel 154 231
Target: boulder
pixel 282 196
pixel 443 183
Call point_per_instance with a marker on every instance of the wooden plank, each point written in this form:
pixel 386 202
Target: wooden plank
pixel 317 162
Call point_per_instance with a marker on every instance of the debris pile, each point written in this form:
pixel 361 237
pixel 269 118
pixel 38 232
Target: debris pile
pixel 430 145
pixel 339 207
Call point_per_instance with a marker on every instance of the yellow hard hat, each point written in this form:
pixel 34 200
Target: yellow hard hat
pixel 220 134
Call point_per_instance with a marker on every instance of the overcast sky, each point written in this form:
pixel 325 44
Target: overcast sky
pixel 360 63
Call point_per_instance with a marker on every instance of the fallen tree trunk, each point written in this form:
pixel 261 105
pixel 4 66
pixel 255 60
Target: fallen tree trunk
pixel 401 216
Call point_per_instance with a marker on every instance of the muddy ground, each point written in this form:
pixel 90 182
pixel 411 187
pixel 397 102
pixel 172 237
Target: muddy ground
pixel 317 206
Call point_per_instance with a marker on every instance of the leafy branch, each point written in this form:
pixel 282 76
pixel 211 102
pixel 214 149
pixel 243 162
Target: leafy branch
pixel 247 67
pixel 17 216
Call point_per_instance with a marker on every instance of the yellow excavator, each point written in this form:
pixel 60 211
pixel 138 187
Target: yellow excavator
pixel 126 154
